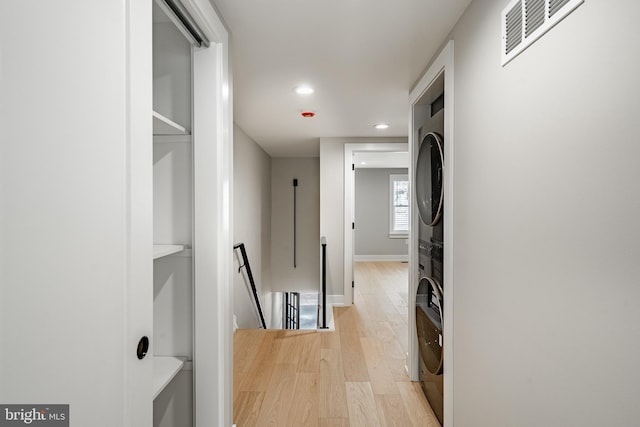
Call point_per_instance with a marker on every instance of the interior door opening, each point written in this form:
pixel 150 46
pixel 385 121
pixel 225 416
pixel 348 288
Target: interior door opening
pixel 370 156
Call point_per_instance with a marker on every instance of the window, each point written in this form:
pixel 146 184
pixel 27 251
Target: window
pixel 399 206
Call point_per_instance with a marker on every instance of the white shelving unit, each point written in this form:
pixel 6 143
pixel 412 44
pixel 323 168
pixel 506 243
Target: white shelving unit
pixel 172 217
pixel 165 368
pixel 160 251
pixel 165 126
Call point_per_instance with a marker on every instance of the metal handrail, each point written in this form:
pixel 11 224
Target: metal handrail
pixel 291 313
pixel 247 267
pixel 323 291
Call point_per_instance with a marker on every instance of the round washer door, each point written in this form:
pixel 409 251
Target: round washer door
pixel 429 322
pixel 429 171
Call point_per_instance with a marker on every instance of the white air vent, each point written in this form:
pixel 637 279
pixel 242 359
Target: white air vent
pixel 534 16
pixel 512 28
pixel 524 21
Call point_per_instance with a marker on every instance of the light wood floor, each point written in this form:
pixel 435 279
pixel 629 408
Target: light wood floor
pixel 351 377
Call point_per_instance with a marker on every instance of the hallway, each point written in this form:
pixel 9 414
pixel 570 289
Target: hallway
pixel 351 377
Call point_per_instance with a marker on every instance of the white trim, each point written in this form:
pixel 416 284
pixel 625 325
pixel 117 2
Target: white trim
pixel 443 63
pixel 138 296
pixel 349 208
pixel 213 256
pixel 381 258
pixel 335 300
pixel 399 236
pixel 205 15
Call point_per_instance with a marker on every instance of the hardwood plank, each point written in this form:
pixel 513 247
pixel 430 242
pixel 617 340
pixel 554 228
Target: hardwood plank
pixel 353 362
pixel 290 348
pixel 384 332
pixel 246 407
pixel 370 315
pixel 398 368
pixel 362 406
pixel 258 375
pixel 417 406
pixel 394 350
pixel 350 318
pixel 279 399
pixel 402 328
pixel 382 381
pixel 330 340
pixel 305 408
pixel 333 398
pixel 309 360
pixel 331 362
pixel 334 422
pixel 373 308
pixel 249 340
pixel 392 410
pixel 398 300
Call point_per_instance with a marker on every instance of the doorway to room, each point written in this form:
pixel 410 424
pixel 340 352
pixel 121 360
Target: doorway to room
pixel 380 160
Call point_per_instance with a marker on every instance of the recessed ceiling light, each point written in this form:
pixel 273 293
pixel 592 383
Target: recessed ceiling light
pixel 304 90
pixel 381 126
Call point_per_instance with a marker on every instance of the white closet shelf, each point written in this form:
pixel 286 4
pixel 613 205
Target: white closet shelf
pixel 165 126
pixel 167 139
pixel 164 369
pixel 160 251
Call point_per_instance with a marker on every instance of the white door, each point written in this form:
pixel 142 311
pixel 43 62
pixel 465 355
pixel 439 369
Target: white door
pixel 75 251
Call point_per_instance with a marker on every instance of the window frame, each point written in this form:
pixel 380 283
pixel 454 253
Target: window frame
pixel 393 233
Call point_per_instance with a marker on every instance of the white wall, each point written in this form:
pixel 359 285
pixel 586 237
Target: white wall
pixel 252 225
pixel 547 239
pixel 372 208
pixel 332 210
pixel 306 276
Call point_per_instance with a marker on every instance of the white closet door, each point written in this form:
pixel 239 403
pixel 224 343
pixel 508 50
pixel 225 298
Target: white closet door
pixel 70 216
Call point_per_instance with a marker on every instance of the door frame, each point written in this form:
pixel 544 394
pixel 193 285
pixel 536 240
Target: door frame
pixel 441 65
pixel 349 203
pixel 213 221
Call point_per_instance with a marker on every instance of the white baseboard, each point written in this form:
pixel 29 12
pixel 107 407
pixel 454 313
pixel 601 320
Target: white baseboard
pixel 335 300
pixel 381 258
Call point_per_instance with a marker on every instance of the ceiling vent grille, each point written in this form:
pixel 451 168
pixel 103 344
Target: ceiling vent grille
pixel 524 21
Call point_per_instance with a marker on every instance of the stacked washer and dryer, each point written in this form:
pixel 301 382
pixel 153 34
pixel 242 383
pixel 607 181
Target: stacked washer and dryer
pixel 429 292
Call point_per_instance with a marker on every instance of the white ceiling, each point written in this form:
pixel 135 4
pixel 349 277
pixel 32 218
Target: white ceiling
pixel 361 57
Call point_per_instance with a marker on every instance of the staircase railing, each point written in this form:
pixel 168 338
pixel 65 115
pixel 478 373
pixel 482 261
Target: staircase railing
pixel 322 324
pixel 291 312
pixel 247 267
